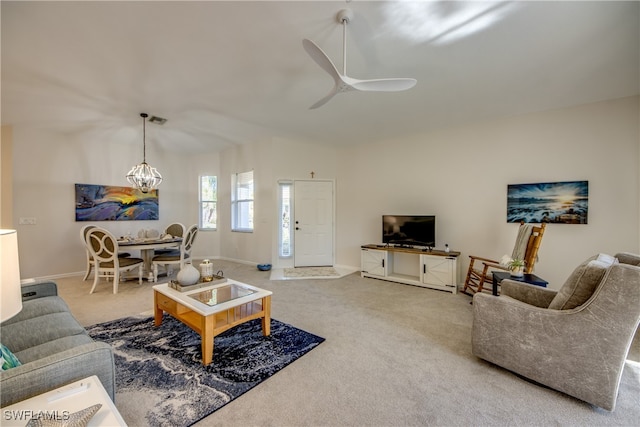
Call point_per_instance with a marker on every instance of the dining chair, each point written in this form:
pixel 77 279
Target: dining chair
pixel 83 236
pixel 175 230
pixel 176 258
pixel 104 250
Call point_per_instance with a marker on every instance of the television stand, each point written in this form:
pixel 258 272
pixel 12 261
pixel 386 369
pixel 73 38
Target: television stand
pixel 428 268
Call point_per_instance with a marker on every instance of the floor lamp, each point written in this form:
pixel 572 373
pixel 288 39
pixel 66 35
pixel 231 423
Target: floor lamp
pixel 10 290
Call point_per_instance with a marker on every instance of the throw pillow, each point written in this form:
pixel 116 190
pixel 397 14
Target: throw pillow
pixel 581 283
pixel 607 259
pixel 9 360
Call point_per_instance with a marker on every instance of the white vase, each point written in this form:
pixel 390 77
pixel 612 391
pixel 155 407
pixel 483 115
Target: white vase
pixel 188 275
pixel 517 272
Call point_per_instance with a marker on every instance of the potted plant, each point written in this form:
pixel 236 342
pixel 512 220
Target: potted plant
pixel 515 266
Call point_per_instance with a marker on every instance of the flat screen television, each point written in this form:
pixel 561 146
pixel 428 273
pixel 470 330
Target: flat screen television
pixel 416 230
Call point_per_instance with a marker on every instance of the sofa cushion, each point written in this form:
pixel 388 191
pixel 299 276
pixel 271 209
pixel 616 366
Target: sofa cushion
pixel 51 347
pixel 582 283
pixel 8 360
pixel 37 308
pixel 38 330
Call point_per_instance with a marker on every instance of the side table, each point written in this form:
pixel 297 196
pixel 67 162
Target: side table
pixel 532 279
pixel 63 401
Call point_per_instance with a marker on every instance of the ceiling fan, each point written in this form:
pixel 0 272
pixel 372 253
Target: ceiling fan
pixel 344 83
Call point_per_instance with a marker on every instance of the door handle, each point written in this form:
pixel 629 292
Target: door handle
pixel 297 228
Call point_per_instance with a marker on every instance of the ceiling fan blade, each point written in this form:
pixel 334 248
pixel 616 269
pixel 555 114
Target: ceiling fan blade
pixel 326 99
pixel 321 58
pixel 383 85
pixel 343 83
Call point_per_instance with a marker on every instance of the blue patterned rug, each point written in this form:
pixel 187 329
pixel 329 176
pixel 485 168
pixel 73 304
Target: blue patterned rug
pixel 160 379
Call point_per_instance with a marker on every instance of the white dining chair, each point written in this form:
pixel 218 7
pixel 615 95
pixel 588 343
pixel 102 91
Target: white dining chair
pixel 176 258
pixel 83 236
pixel 175 229
pixel 104 250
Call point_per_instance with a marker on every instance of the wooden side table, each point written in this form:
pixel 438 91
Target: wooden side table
pixel 532 279
pixel 63 401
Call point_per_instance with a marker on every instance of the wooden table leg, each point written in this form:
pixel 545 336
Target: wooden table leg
pixel 147 257
pixel 266 320
pixel 207 339
pixel 157 315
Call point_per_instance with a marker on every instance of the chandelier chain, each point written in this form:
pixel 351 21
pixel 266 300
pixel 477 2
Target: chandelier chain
pixel 144 137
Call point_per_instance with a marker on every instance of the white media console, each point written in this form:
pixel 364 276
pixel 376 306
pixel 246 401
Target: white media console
pixel 427 268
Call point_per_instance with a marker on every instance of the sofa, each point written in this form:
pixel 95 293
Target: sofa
pixel 52 347
pixel 574 340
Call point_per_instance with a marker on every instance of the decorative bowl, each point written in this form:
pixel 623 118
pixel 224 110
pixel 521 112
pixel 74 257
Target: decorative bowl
pixel 264 267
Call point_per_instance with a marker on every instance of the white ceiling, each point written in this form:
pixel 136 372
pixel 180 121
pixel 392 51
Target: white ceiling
pixel 226 73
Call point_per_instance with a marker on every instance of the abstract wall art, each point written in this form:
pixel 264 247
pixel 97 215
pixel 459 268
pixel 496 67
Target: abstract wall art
pixel 111 203
pixel 550 202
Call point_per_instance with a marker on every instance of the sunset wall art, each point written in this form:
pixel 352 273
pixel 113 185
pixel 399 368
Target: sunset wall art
pixel 111 203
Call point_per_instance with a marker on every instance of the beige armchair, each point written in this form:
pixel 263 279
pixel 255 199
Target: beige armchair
pixel 575 340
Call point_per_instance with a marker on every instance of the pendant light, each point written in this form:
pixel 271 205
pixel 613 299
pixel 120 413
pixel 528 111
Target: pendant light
pixel 144 177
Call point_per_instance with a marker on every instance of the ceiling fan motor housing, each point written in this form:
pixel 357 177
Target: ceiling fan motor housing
pixel 345 16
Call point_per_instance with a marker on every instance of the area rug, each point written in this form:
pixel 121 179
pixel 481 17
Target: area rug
pixel 310 272
pixel 160 380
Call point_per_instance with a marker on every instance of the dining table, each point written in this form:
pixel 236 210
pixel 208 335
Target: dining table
pixel 147 247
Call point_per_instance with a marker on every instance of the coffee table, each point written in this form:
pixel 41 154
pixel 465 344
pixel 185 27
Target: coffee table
pixel 211 310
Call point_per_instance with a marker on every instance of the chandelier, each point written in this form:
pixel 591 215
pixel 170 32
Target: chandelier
pixel 144 177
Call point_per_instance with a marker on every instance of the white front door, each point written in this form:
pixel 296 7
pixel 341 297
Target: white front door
pixel 313 223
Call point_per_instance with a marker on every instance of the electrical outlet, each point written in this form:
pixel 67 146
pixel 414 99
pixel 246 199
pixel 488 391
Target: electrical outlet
pixel 27 221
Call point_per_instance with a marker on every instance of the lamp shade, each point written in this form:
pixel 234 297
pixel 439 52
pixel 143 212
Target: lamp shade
pixel 10 290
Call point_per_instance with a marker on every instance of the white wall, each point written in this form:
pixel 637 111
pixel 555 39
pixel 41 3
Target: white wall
pixel 46 167
pixel 271 161
pixel 461 176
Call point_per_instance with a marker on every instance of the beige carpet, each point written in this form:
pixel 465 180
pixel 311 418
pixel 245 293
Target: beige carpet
pixel 394 355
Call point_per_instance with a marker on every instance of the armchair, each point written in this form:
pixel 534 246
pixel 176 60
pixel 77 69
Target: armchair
pixel 526 248
pixel 575 340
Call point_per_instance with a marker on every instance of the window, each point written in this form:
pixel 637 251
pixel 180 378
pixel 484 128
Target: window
pixel 242 201
pixel 285 220
pixel 208 202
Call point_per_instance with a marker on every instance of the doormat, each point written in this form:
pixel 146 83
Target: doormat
pixel 159 373
pixel 299 272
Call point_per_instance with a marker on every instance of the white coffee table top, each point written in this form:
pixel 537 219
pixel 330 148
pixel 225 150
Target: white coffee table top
pixel 215 298
pixel 64 401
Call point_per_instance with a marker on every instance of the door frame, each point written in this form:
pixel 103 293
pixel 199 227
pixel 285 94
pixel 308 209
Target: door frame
pixel 289 262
